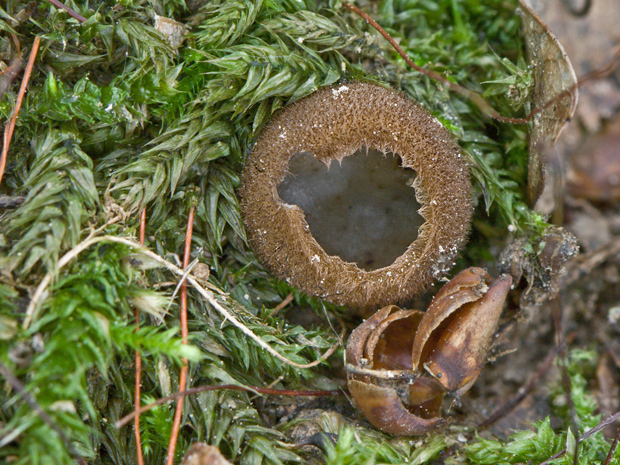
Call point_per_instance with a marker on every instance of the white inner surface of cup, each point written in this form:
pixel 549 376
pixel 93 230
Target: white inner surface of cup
pixel 363 210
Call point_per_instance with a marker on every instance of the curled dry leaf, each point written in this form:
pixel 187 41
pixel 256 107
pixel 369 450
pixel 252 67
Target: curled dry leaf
pixel 588 30
pixel 401 363
pixel 553 76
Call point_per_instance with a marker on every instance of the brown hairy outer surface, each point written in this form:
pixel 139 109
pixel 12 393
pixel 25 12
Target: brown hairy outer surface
pixel 331 124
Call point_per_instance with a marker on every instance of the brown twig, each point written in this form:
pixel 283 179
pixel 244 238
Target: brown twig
pixel 71 12
pixel 184 333
pixel 474 97
pixel 137 389
pixel 34 405
pixel 10 125
pixel 585 436
pixel 231 387
pixel 287 300
pixel 612 449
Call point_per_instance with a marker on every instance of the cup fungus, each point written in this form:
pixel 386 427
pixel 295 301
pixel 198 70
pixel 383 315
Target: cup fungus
pixel 401 363
pixel 332 124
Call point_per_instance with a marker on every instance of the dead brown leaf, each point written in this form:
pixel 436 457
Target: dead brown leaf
pixel 590 37
pixel 594 169
pixel 553 75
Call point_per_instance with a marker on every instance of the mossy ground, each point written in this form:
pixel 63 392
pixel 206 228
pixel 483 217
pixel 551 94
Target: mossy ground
pixel 117 120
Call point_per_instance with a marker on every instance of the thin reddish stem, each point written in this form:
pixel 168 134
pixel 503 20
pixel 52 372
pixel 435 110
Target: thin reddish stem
pixel 186 257
pixel 230 387
pixel 612 449
pixel 184 333
pixel 142 232
pixel 287 300
pixel 10 125
pixel 71 12
pixel 585 436
pixel 137 389
pixel 476 98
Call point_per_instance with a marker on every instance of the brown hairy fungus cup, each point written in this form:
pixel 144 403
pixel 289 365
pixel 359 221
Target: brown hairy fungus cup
pixel 401 363
pixel 332 124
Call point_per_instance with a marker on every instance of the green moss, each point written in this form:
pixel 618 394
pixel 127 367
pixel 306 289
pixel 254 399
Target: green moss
pixel 116 120
pixel 543 442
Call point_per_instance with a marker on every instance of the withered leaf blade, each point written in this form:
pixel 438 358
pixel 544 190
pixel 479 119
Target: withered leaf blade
pixel 553 74
pixel 588 31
